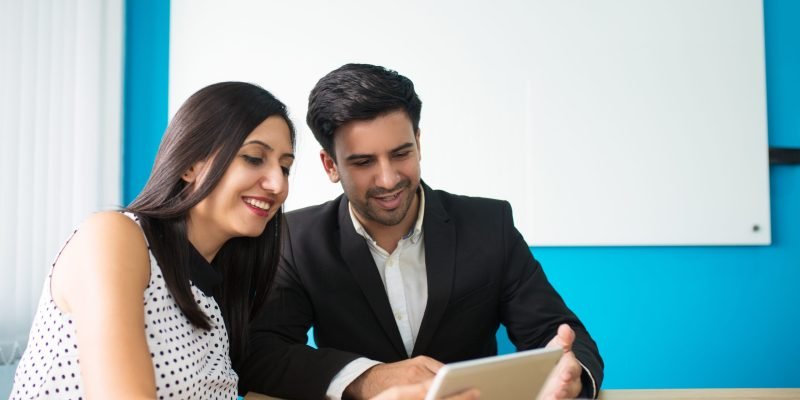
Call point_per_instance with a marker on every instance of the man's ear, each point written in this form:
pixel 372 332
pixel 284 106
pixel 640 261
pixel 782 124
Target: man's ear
pixel 330 166
pixel 192 174
pixel 419 149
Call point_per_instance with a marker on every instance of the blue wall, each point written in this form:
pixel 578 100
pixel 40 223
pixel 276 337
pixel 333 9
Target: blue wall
pixel 146 85
pixel 664 317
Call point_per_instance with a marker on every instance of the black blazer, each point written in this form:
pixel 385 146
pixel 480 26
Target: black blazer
pixel 480 274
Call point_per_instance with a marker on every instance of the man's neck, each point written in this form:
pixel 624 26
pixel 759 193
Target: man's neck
pixel 388 237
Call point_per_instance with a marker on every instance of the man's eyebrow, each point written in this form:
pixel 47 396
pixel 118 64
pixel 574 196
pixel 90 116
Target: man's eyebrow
pixel 268 148
pixel 402 147
pixel 358 157
pixel 394 150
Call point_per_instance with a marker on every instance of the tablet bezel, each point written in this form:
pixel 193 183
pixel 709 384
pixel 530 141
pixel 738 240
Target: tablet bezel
pixel 518 375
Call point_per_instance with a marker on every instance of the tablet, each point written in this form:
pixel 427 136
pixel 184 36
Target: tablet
pixel 512 376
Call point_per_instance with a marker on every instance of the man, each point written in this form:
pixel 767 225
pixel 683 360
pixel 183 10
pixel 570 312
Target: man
pixel 397 278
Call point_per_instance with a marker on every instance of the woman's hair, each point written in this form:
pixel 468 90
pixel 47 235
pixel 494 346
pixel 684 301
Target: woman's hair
pixel 214 122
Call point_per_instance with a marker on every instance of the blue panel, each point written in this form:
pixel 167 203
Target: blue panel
pixel 146 85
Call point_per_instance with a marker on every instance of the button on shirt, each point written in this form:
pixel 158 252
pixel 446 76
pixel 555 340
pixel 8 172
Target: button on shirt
pixel 405 279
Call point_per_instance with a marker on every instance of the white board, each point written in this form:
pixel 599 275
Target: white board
pixel 603 122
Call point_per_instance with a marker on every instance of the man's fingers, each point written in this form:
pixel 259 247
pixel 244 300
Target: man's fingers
pixel 427 384
pixel 572 370
pixel 564 382
pixel 404 392
pixel 571 376
pixel 566 336
pixel 566 376
pixel 418 392
pixel 431 364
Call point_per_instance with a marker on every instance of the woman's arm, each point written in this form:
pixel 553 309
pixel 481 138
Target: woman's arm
pixel 100 279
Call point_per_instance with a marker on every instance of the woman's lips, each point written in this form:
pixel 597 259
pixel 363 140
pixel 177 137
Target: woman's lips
pixel 259 206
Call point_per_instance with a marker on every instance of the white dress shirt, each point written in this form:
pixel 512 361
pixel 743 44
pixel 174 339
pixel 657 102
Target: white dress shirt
pixel 406 282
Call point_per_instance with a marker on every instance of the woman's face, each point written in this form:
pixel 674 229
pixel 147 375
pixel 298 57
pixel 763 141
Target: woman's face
pixel 252 189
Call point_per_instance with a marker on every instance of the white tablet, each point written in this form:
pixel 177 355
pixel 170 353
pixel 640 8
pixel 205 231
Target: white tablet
pixel 511 376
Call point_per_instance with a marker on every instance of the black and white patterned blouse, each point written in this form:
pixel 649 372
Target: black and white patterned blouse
pixel 189 362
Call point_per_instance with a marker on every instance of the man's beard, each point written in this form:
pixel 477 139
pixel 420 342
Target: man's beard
pixel 383 217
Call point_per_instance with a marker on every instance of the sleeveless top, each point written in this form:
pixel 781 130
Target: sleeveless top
pixel 189 362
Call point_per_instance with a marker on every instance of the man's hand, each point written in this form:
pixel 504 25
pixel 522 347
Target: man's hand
pixel 384 376
pixel 565 380
pixel 419 390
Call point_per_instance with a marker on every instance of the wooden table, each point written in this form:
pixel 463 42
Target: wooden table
pixel 709 394
pixel 669 394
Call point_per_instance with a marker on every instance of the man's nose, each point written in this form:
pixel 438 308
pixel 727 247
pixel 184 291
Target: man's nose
pixel 388 176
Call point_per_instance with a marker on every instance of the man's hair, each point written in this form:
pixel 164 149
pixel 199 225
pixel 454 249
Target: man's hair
pixel 356 92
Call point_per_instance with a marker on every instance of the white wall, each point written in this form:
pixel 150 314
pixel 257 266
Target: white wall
pixel 608 122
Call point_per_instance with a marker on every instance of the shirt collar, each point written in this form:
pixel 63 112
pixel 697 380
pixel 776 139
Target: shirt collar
pixel 202 274
pixel 413 234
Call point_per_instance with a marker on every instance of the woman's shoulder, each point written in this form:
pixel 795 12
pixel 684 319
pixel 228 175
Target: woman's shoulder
pixel 112 223
pixel 108 248
pixel 114 237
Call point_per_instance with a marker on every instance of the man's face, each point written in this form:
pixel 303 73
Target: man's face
pixel 378 165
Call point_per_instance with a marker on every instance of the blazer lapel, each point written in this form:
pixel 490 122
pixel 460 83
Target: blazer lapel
pixel 440 257
pixel 356 254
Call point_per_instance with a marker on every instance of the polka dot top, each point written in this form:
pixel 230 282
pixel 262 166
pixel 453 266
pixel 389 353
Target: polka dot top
pixel 189 362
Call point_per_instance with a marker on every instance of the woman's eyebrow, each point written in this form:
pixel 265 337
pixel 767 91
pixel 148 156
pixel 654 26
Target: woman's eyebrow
pixel 268 148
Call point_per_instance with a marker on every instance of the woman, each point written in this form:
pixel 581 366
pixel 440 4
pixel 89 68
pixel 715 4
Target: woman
pixel 155 302
pixel 200 244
